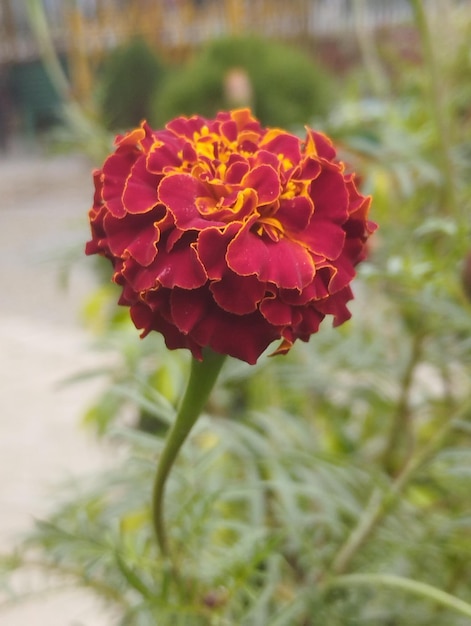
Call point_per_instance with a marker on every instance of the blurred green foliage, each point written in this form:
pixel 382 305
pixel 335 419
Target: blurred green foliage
pixel 128 80
pixel 288 87
pixel 330 486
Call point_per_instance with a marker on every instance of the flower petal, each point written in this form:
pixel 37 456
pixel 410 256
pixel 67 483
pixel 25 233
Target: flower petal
pixel 284 263
pixel 266 182
pixel 133 235
pixel 116 169
pixel 188 307
pixel 179 193
pixel 241 336
pixel 330 196
pixel 336 305
pixel 140 190
pixel 283 144
pixel 319 144
pixel 244 337
pixel 295 213
pixel 237 294
pixel 323 238
pixel 276 312
pixel 180 267
pixel 147 319
pixel 164 153
pixel 212 248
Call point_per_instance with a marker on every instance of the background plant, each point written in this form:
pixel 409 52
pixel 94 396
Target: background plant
pixel 129 79
pixel 288 86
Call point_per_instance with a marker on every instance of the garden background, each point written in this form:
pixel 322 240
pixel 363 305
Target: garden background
pixel 329 486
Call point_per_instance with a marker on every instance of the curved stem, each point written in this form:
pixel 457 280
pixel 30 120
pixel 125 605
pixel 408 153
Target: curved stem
pixel 406 584
pixel 203 375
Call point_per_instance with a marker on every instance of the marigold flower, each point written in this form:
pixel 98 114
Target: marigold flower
pixel 228 235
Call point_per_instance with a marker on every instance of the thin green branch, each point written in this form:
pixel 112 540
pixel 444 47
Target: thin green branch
pixel 379 504
pixel 366 43
pixel 415 587
pixel 400 432
pixel 39 25
pixel 95 140
pixel 437 108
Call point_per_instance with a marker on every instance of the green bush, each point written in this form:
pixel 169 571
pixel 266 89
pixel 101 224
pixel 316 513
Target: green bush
pixel 129 80
pixel 288 87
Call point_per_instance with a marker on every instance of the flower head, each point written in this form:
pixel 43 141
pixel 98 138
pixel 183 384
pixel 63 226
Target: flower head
pixel 228 235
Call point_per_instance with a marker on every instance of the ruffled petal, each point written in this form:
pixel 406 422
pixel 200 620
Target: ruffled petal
pixel 330 196
pixel 180 267
pixel 116 170
pixel 140 190
pixel 237 294
pixel 133 235
pixel 266 182
pixel 212 248
pixel 295 213
pixel 284 145
pixel 320 145
pixel 188 308
pixel 179 193
pixel 323 238
pixel 149 319
pixel 277 312
pixel 164 153
pixel 285 263
pixel 243 337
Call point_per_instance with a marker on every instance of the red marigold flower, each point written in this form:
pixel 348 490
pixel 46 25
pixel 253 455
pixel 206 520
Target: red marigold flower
pixel 228 235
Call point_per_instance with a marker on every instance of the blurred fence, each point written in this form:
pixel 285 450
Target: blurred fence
pixel 175 26
pixel 84 31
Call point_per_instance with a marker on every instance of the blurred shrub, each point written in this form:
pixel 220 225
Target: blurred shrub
pixel 34 95
pixel 129 79
pixel 288 88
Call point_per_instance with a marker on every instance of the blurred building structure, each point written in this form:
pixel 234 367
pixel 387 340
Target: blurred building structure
pixel 174 26
pixel 83 32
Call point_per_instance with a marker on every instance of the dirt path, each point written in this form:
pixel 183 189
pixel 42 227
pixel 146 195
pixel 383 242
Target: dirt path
pixel 43 205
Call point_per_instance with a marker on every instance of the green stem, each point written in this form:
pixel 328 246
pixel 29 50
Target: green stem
pixel 366 43
pixel 400 435
pixel 437 107
pixel 203 375
pixel 38 22
pixel 406 584
pixel 95 140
